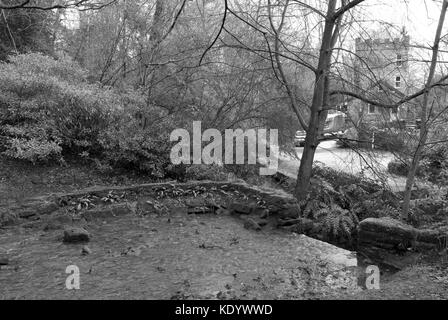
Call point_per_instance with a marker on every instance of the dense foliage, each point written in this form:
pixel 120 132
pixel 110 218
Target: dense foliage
pixel 433 167
pixel 49 111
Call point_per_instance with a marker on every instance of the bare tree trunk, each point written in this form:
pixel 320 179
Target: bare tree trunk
pixel 125 42
pixel 424 115
pixel 154 38
pixel 317 108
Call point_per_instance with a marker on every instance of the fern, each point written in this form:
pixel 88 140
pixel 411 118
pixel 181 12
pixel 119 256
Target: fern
pixel 338 222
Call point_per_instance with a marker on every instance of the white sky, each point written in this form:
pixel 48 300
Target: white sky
pixel 420 17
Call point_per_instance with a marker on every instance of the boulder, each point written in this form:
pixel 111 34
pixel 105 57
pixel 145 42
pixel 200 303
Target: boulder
pixel 383 240
pixel 76 235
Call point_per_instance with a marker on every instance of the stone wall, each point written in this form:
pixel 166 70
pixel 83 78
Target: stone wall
pixel 276 201
pixel 396 244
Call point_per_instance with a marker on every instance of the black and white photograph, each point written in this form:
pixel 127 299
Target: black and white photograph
pixel 224 156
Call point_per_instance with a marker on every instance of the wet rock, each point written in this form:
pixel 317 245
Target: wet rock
pixel 4 261
pixel 76 235
pixel 86 251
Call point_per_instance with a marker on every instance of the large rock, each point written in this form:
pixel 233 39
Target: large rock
pixel 384 239
pixel 76 235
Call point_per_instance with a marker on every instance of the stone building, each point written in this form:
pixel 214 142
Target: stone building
pixel 381 73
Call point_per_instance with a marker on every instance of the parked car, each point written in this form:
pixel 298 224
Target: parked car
pixel 334 129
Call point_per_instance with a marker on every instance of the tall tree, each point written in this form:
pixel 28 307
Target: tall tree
pixel 425 116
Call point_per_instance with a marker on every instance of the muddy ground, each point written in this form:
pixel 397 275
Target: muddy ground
pixel 176 256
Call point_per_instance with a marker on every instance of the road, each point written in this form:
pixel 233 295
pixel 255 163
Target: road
pixel 372 163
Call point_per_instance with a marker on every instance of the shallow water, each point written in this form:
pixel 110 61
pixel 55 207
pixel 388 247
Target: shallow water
pixel 174 257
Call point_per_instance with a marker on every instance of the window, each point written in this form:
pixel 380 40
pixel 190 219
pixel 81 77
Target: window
pixel 398 82
pixel 399 60
pixel 372 109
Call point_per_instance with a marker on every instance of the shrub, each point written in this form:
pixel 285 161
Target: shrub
pixel 339 179
pixel 126 145
pixel 398 168
pixel 46 107
pixel 435 164
pixel 33 149
pixel 389 141
pixel 48 110
pixel 385 139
